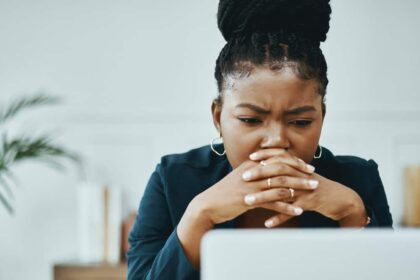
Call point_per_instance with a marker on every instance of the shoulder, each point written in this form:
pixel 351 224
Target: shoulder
pixel 185 175
pixel 355 172
pixel 344 165
pixel 348 162
pixel 201 157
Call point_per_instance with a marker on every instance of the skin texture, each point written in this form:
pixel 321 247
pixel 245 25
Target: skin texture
pixel 263 141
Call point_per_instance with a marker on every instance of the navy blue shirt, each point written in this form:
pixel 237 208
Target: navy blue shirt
pixel 155 250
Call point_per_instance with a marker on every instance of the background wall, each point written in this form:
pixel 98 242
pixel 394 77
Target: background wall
pixel 137 82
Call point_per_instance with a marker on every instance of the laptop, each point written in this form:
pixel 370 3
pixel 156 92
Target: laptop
pixel 308 254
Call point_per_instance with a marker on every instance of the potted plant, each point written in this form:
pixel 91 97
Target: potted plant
pixel 21 148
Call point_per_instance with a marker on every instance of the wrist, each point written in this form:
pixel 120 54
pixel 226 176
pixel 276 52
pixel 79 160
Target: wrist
pixel 198 214
pixel 357 216
pixel 191 229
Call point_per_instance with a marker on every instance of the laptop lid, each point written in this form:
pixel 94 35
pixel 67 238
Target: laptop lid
pixel 229 254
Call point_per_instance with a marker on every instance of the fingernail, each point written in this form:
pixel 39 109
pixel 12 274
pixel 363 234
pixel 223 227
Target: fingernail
pixel 310 168
pixel 247 175
pixel 298 211
pixel 268 223
pixel 253 156
pixel 313 184
pixel 249 199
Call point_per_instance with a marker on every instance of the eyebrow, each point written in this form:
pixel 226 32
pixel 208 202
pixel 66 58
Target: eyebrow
pixel 300 110
pixel 294 111
pixel 253 107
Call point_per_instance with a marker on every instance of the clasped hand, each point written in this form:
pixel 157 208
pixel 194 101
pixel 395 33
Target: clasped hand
pixel 276 180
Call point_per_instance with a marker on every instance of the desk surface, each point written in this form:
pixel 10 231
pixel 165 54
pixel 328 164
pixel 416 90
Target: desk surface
pixel 90 271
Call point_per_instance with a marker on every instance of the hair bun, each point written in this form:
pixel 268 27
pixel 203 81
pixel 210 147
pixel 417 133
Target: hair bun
pixel 305 18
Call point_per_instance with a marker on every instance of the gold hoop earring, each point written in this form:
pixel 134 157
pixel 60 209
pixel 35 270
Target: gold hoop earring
pixel 320 152
pixel 214 150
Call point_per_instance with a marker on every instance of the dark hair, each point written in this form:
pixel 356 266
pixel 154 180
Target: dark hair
pixel 273 34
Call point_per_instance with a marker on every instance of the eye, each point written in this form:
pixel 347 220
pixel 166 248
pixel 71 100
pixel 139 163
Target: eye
pixel 250 120
pixel 301 123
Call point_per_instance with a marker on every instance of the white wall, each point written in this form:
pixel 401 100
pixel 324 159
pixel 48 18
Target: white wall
pixel 137 82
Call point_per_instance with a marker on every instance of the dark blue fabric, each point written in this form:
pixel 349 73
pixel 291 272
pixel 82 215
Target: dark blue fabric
pixel 155 251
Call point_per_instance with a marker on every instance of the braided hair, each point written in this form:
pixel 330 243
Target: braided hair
pixel 273 34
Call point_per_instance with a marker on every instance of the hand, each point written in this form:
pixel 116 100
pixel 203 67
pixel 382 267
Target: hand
pixel 225 200
pixel 330 198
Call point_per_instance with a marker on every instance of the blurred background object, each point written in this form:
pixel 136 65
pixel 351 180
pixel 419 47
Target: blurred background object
pixel 137 77
pixel 26 146
pixel 99 223
pixel 412 196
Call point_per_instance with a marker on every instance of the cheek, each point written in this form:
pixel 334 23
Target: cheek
pixel 239 142
pixel 304 145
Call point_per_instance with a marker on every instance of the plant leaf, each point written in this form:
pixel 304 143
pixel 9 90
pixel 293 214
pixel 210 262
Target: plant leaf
pixel 6 186
pixel 6 204
pixel 25 147
pixel 7 174
pixel 25 102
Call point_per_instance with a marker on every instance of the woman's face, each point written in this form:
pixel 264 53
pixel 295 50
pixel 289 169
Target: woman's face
pixel 269 110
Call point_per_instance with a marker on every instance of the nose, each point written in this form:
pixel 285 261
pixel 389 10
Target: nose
pixel 275 137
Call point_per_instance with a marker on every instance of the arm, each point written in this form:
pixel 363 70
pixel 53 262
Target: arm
pixel 158 251
pixel 155 250
pixel 376 204
pixel 191 229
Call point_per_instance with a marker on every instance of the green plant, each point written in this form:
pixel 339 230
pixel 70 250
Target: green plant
pixel 22 148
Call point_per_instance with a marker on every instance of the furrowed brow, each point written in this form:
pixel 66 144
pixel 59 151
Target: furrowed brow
pixel 253 107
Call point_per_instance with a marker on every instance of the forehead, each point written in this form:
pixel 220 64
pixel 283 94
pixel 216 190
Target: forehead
pixel 267 88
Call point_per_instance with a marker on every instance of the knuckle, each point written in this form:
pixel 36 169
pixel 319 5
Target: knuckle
pixel 301 184
pixel 282 180
pixel 275 160
pixel 244 165
pixel 247 164
pixel 302 165
pixel 280 160
pixel 296 162
pixel 280 193
pixel 257 172
pixel 299 164
pixel 304 175
pixel 280 168
pixel 281 207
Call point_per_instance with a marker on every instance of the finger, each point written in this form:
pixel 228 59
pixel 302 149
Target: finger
pixel 268 153
pixel 282 216
pixel 277 220
pixel 267 196
pixel 287 182
pixel 283 208
pixel 259 172
pixel 292 161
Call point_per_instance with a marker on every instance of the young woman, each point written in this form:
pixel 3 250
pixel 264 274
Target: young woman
pixel 270 170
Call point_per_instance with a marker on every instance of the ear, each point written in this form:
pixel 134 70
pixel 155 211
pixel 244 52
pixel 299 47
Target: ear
pixel 216 110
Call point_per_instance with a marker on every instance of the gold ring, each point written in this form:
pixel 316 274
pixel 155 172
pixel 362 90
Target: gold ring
pixel 269 182
pixel 292 192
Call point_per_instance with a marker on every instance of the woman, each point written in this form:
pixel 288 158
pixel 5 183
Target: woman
pixel 270 171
